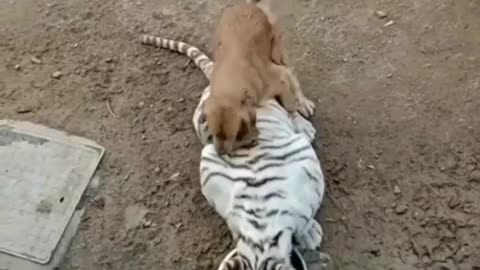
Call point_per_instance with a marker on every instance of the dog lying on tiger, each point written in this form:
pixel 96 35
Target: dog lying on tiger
pixel 249 69
pixel 268 193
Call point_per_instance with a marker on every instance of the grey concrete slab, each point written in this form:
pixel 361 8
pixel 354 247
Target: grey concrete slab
pixel 43 174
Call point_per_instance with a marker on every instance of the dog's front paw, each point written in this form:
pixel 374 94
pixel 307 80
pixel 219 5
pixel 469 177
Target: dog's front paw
pixel 306 107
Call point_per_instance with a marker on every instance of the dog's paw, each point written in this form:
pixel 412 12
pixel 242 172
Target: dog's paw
pixel 306 107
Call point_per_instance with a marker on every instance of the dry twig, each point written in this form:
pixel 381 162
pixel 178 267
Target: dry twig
pixel 110 109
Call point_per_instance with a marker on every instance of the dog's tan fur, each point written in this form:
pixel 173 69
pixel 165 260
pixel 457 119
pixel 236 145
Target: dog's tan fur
pixel 249 69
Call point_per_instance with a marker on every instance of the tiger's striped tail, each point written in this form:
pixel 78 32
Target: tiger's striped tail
pixel 200 58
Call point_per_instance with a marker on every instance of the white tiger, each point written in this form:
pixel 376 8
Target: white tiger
pixel 267 193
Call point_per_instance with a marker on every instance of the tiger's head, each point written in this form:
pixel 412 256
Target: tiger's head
pixel 272 254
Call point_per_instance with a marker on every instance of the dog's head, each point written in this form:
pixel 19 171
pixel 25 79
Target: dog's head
pixel 230 126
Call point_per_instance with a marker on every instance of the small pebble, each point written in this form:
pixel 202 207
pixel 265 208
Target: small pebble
pixel 461 254
pixel 454 202
pixel 475 176
pixel 99 202
pixel 418 216
pixel 468 207
pixel 108 60
pixel 426 259
pixel 157 170
pixel 57 75
pixel 181 100
pixel 35 60
pixel 141 104
pixel 17 67
pixel 401 209
pixel 22 110
pixel 174 176
pixel 389 23
pixel 389 75
pixel 397 190
pixel 381 14
pixel 151 235
pixel 147 223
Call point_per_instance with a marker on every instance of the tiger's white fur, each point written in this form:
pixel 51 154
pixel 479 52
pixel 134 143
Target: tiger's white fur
pixel 267 193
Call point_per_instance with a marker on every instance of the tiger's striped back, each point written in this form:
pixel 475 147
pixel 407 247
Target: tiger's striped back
pixel 199 57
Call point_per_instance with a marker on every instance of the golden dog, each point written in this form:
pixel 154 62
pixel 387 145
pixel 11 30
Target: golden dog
pixel 249 69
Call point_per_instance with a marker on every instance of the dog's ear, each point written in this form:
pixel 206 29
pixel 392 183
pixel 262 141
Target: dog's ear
pixel 252 114
pixel 243 130
pixel 234 263
pixel 248 122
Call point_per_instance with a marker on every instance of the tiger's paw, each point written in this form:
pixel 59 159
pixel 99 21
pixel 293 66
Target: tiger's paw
pixel 304 126
pixel 306 107
pixel 311 238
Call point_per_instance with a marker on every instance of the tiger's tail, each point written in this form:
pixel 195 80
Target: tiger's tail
pixel 200 58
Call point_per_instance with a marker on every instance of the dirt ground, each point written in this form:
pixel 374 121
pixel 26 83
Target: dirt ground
pixel 398 115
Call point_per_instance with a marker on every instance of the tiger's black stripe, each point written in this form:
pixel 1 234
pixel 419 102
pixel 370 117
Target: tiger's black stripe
pixel 280 146
pixel 265 180
pixel 257 225
pixel 287 155
pixel 276 194
pixel 269 166
pixel 248 211
pixel 310 176
pixel 214 161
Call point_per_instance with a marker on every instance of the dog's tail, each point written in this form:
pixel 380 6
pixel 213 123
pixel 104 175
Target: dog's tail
pixel 200 58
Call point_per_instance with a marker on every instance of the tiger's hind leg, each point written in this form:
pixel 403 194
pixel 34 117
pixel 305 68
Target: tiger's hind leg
pixel 311 237
pixel 309 242
pixel 318 260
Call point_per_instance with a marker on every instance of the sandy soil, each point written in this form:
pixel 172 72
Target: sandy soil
pixel 398 114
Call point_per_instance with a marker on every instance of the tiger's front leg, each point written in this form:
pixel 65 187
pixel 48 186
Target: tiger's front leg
pixel 311 237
